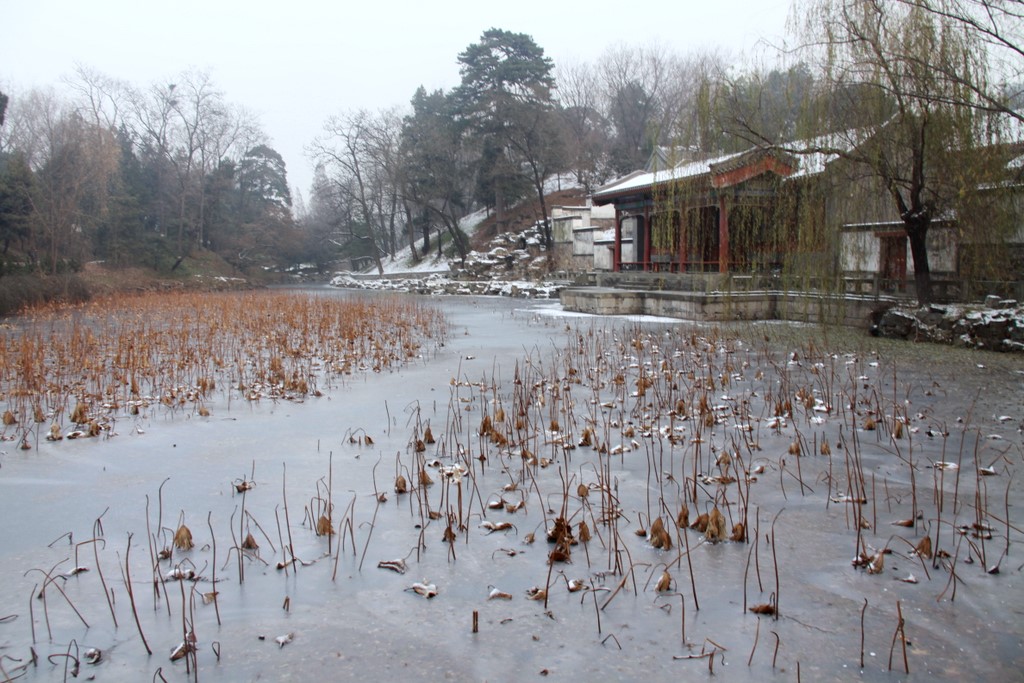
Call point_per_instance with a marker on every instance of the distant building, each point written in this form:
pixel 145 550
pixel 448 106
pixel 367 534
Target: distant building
pixel 572 231
pixel 766 211
pixel 711 215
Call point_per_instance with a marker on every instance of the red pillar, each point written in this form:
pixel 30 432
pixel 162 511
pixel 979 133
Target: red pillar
pixel 647 238
pixel 723 236
pixel 617 251
pixel 681 228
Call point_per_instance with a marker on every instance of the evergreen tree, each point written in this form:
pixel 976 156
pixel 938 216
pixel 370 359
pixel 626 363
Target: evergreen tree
pixel 505 102
pixel 263 184
pixel 435 165
pixel 16 181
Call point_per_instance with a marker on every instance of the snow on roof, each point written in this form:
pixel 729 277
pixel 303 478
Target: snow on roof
pixel 813 155
pixel 810 162
pixel 640 179
pixel 577 211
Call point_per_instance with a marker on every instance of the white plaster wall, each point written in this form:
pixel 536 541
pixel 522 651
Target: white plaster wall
pixel 628 233
pixel 562 227
pixel 942 252
pixel 860 251
pixel 627 251
pixel 583 242
pixel 603 256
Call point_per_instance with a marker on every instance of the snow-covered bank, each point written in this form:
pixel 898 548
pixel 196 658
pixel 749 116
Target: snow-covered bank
pixel 997 326
pixel 439 283
pixel 514 265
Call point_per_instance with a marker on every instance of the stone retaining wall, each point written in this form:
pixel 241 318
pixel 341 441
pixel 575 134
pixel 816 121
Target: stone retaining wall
pixel 720 307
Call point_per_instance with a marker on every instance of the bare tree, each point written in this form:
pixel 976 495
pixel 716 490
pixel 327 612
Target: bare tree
pixel 70 159
pixel 194 102
pixel 100 98
pixel 101 101
pixel 186 129
pixel 225 132
pixel 998 27
pixel 538 141
pixel 695 87
pixel 359 154
pixel 383 135
pixel 587 130
pixel 639 100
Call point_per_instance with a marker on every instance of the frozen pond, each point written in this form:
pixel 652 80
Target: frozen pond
pixel 825 445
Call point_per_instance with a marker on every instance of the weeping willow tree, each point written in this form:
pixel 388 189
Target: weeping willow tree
pixel 665 216
pixel 775 216
pixel 991 231
pixel 894 116
pixel 905 100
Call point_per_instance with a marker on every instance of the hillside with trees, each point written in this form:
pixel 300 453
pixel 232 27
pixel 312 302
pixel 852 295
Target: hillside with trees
pixel 142 177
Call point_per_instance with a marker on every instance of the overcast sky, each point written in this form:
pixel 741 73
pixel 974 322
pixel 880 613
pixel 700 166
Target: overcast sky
pixel 295 63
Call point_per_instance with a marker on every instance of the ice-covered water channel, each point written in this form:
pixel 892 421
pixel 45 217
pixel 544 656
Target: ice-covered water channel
pixel 838 453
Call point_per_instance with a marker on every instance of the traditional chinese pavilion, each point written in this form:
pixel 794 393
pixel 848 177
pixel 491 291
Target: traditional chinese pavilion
pixel 726 214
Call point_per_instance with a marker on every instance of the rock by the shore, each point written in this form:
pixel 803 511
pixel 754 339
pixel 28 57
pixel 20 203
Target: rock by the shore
pixel 439 284
pixel 997 326
pixel 514 265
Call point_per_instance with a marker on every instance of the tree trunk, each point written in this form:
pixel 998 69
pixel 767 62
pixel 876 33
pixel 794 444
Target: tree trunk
pixel 458 237
pixel 393 236
pixel 499 209
pixel 411 231
pixel 545 224
pixel 917 232
pixel 376 256
pixel 181 224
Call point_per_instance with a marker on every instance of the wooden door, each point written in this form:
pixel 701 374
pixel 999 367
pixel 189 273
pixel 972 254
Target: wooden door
pixel 893 261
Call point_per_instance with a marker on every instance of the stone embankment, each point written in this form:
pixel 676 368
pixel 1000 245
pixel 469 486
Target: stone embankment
pixel 997 325
pixel 514 265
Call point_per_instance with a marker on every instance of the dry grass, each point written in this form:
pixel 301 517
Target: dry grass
pixel 597 448
pixel 126 355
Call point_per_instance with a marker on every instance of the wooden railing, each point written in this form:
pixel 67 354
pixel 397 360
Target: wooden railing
pixel 665 264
